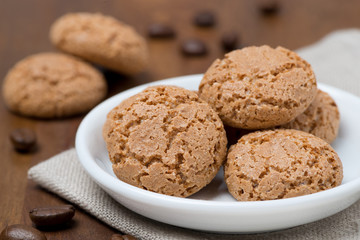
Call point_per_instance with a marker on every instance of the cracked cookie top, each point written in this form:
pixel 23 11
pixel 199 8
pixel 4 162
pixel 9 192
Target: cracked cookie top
pixel 101 39
pixel 49 85
pixel 321 118
pixel 275 164
pixel 166 140
pixel 259 87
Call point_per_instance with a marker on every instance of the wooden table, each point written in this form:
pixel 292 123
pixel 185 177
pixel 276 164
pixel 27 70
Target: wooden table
pixel 24 27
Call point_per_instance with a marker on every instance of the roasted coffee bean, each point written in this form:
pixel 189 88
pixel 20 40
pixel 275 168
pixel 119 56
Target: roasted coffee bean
pixel 229 41
pixel 52 216
pixel 158 30
pixel 21 232
pixel 269 7
pixel 128 237
pixel 122 237
pixel 116 236
pixel 23 139
pixel 194 47
pixel 204 19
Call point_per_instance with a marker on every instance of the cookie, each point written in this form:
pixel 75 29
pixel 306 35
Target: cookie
pixel 321 118
pixel 102 40
pixel 165 140
pixel 49 85
pixel 259 87
pixel 284 163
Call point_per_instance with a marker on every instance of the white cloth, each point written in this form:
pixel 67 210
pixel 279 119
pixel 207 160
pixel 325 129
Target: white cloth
pixel 336 61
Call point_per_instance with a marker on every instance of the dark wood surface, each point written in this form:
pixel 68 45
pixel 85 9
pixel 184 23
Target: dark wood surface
pixel 24 27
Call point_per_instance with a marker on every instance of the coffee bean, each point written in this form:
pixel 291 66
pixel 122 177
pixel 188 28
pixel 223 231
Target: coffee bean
pixel 21 232
pixel 158 30
pixel 269 7
pixel 23 139
pixel 194 47
pixel 128 237
pixel 52 216
pixel 122 237
pixel 116 236
pixel 204 19
pixel 229 41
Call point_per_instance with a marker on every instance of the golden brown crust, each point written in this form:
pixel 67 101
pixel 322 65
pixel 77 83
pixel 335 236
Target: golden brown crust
pixel 282 163
pixel 49 85
pixel 259 87
pixel 101 39
pixel 321 118
pixel 166 140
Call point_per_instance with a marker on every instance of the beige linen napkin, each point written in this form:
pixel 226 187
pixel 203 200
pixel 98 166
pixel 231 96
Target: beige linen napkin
pixel 336 61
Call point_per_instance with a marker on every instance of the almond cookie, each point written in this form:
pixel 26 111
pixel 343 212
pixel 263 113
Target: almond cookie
pixel 48 85
pixel 259 87
pixel 321 118
pixel 166 140
pixel 282 163
pixel 101 39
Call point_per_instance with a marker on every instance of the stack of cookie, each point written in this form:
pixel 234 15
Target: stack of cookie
pixel 172 141
pixel 264 88
pixel 48 85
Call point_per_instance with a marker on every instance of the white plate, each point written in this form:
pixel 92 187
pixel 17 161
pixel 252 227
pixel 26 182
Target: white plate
pixel 213 209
